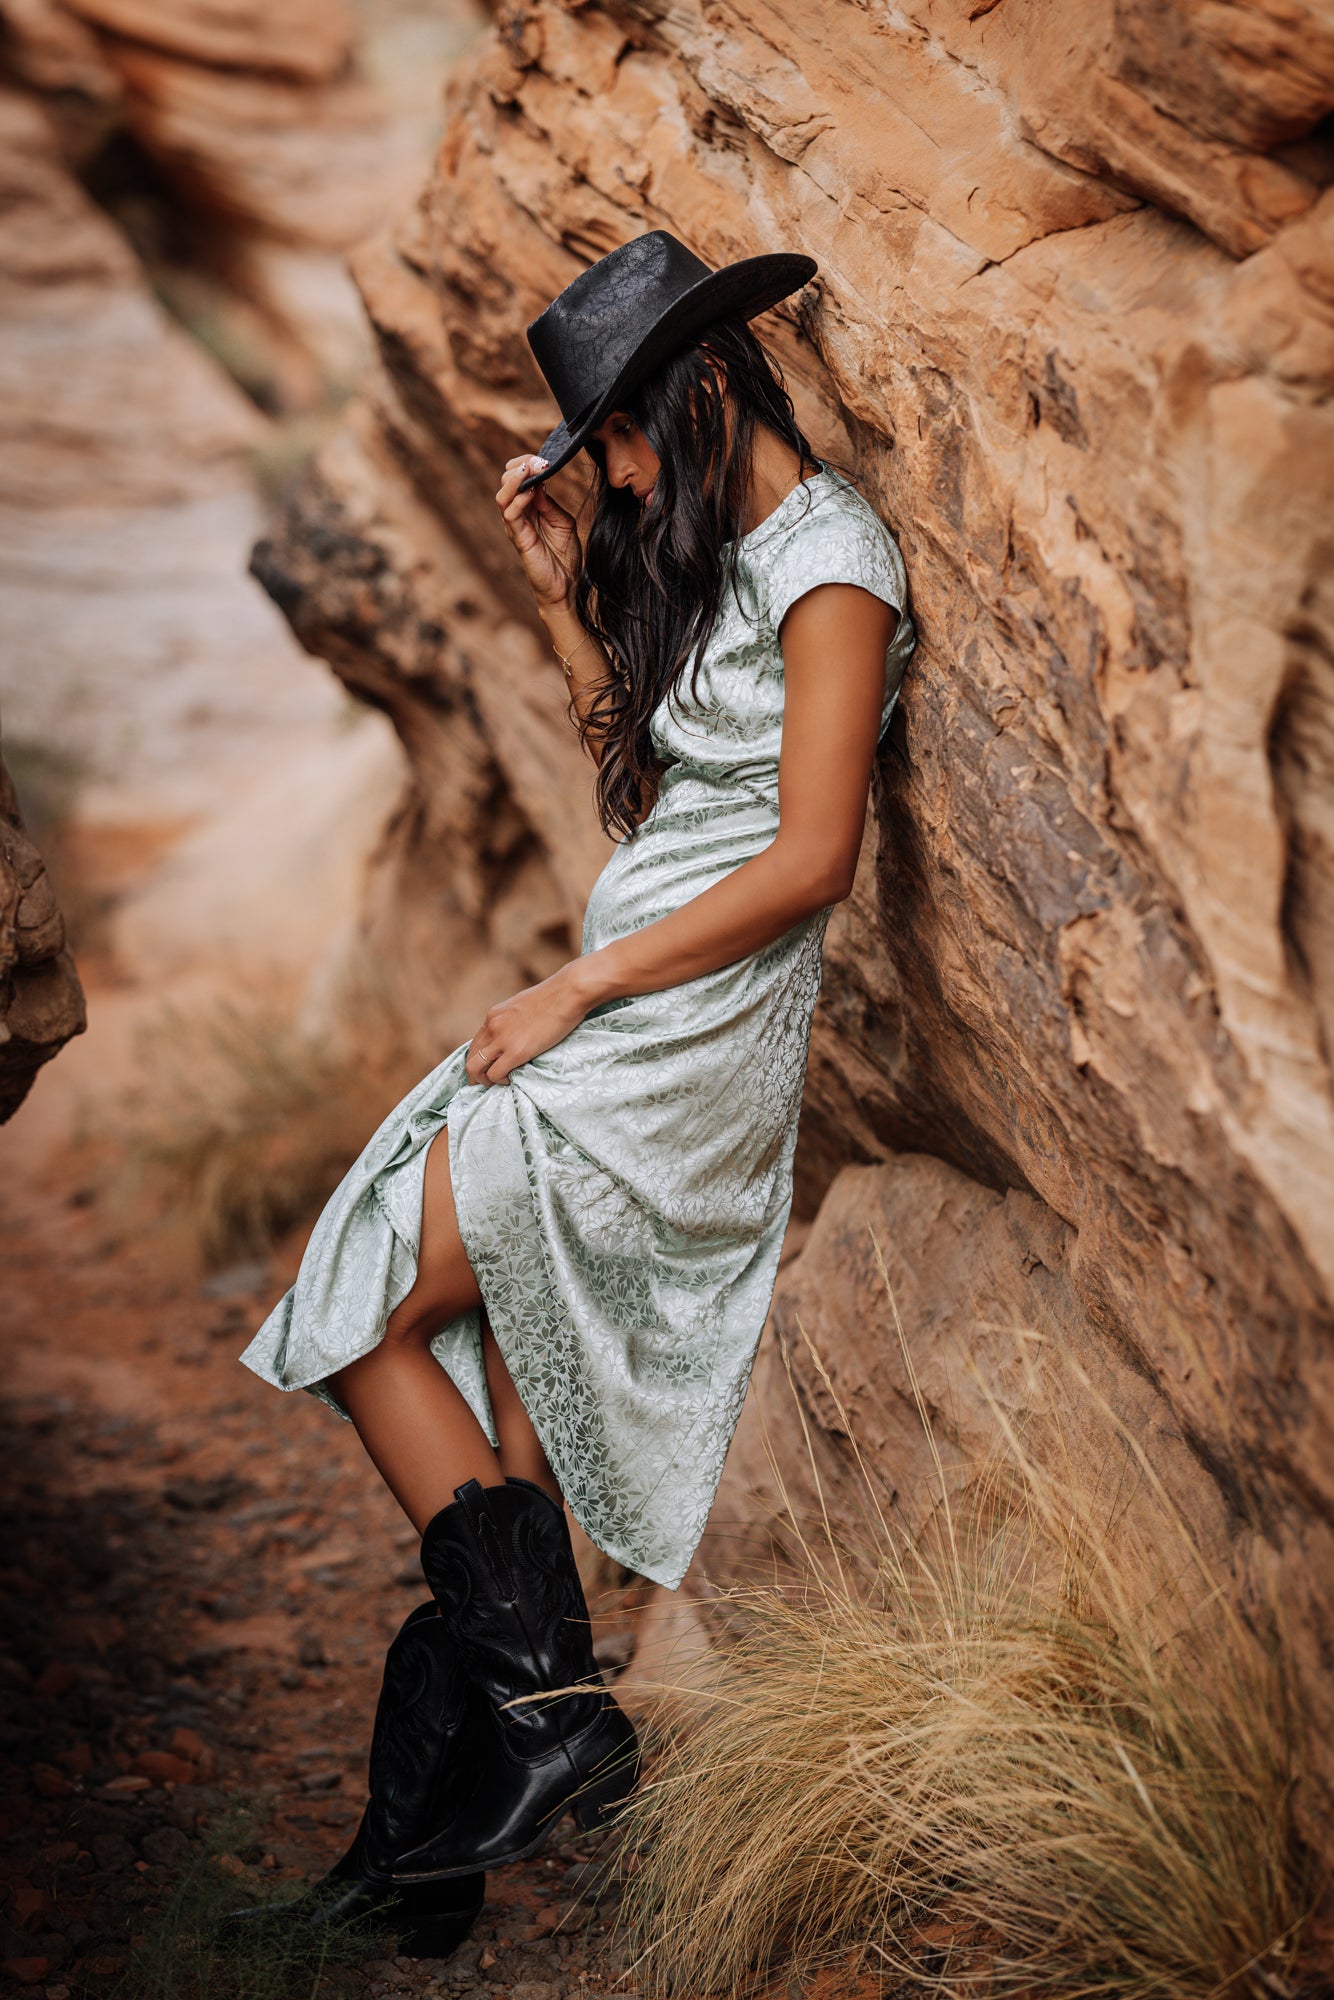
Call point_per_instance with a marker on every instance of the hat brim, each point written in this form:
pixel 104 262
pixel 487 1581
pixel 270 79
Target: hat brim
pixel 744 289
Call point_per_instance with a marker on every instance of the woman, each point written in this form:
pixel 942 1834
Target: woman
pixel 545 1277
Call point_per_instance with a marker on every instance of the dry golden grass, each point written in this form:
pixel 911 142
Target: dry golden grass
pixel 248 1125
pixel 1036 1753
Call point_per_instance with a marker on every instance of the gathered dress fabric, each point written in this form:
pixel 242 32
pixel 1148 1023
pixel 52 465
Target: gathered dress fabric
pixel 622 1197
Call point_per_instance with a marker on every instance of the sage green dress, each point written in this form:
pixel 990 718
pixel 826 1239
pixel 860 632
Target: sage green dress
pixel 622 1198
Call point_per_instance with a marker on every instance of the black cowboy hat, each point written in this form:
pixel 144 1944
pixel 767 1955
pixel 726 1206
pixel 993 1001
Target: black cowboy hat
pixel 617 320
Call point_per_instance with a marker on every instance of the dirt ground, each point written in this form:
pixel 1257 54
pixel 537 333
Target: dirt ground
pixel 200 1578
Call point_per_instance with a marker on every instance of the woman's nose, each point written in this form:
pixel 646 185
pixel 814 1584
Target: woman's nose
pixel 620 466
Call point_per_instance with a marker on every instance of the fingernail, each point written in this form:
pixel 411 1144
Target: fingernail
pixel 542 464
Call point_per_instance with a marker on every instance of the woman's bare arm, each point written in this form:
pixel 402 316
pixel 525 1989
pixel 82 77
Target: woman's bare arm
pixel 547 541
pixel 834 641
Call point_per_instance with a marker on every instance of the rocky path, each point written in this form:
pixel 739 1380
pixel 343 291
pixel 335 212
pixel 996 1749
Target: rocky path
pixel 200 1578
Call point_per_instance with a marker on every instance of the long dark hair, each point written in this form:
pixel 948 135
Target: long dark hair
pixel 653 578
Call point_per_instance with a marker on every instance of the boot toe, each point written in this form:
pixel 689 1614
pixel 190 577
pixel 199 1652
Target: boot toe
pixel 427 1924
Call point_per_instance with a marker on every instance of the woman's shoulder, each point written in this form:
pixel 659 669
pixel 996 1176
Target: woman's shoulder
pixel 826 531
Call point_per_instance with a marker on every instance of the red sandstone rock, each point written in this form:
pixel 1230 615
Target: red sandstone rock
pixel 308 39
pixel 103 401
pixel 309 166
pixel 41 1001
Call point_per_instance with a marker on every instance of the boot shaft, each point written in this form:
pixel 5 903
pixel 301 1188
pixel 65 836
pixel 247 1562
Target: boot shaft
pixel 421 1741
pixel 502 1568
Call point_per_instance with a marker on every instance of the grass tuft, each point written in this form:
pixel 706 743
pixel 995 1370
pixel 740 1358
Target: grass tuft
pixel 249 1124
pixel 1036 1752
pixel 185 1954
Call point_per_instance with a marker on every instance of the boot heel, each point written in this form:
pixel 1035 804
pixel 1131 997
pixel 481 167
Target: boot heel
pixel 432 1922
pixel 602 1798
pixel 432 1937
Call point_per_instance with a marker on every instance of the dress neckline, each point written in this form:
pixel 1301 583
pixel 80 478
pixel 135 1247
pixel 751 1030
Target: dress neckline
pixel 740 541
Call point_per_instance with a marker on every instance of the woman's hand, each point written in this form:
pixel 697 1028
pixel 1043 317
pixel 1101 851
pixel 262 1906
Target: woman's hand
pixel 542 532
pixel 525 1026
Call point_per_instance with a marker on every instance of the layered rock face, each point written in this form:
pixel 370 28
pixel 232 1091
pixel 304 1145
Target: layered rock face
pixel 239 146
pixel 180 183
pixel 1073 335
pixel 41 1000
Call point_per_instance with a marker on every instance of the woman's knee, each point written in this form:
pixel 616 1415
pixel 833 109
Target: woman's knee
pixel 412 1326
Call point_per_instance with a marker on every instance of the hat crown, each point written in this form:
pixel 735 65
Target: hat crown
pixel 590 331
pixel 627 313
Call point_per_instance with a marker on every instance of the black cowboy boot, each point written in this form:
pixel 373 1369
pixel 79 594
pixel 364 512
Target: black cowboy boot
pixel 502 1568
pixel 422 1746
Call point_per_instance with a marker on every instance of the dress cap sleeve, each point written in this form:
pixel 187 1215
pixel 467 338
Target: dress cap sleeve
pixel 840 542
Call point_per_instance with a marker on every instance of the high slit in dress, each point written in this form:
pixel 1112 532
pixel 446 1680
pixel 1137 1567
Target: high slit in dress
pixel 622 1197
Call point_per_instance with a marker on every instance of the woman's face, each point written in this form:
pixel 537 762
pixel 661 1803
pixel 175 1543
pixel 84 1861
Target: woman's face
pixel 631 459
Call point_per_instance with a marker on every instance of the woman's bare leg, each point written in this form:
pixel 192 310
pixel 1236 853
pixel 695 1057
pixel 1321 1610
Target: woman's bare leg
pixel 420 1434
pixel 521 1453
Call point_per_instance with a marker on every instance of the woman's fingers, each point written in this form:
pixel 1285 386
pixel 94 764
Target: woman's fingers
pixel 475 1063
pixel 517 469
pixel 486 1062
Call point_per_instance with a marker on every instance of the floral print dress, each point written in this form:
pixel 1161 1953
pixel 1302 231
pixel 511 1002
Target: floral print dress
pixel 622 1198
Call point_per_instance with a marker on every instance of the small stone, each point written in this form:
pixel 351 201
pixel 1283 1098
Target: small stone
pixel 26 1900
pixel 310 1650
pixel 321 1781
pixel 167 1847
pixel 57 1993
pixel 589 1878
pixel 55 1680
pixel 28 1971
pixel 126 1785
pixel 111 1851
pixel 188 1743
pixel 49 1783
pixel 163 1768
pixel 486 1961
